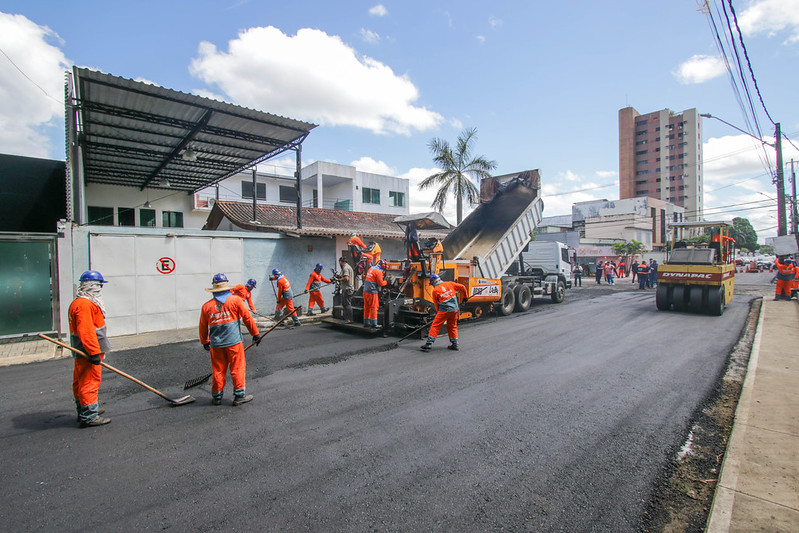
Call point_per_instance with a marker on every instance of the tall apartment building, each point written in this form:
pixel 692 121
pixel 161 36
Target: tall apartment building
pixel 660 156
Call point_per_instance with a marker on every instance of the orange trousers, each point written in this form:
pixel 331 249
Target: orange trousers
pixel 451 318
pixel 315 297
pixel 370 304
pixel 231 357
pixel 86 379
pixel 288 304
pixel 784 287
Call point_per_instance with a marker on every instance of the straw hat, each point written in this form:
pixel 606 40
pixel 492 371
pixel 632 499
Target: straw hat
pixel 219 283
pixel 219 287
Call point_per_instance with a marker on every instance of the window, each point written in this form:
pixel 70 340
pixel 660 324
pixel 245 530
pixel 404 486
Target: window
pixel 642 162
pixel 641 152
pixel 640 143
pixel 172 219
pixel 126 216
pixel 371 196
pixel 101 216
pixel 147 218
pixel 288 195
pixel 396 199
pixel 246 190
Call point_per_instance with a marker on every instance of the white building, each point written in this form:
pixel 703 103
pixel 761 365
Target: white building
pixel 327 185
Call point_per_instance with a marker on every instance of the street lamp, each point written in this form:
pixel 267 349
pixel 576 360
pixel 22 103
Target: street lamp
pixel 781 223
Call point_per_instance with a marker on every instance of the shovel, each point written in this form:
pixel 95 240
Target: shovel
pixel 174 402
pixel 202 379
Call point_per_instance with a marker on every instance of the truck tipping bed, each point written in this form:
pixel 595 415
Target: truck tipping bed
pixel 497 231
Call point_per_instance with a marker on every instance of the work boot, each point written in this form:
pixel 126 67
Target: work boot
pixel 238 400
pixel 324 310
pixel 99 412
pixel 97 421
pixel 309 312
pixel 426 347
pixel 277 315
pixel 453 347
pixel 216 401
pixel 297 321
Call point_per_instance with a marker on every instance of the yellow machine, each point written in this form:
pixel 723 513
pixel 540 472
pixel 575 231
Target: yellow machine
pixel 700 279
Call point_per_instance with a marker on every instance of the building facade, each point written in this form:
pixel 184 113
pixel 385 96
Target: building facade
pixel 660 156
pixel 325 185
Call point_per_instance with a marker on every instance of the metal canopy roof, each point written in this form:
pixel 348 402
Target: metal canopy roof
pixel 141 135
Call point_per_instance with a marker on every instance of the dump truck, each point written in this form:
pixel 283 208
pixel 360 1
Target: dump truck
pixel 697 278
pixel 478 253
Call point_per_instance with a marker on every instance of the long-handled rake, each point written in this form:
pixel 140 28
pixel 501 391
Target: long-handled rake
pixel 173 401
pixel 202 379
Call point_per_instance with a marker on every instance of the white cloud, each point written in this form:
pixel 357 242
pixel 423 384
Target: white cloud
pixel 378 11
pixel 313 76
pixel 481 39
pixel 771 16
pixel 208 94
pixel 494 22
pixel 25 110
pixel 370 36
pixel 367 164
pixel 699 69
pixel 568 187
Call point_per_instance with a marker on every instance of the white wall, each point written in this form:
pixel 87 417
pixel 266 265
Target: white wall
pixel 101 195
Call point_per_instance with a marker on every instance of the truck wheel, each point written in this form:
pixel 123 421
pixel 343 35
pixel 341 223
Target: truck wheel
pixel 559 293
pixel 695 297
pixel 662 297
pixel 507 301
pixel 715 301
pixel 678 297
pixel 523 297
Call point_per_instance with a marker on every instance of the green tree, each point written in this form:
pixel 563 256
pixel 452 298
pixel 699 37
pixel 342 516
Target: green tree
pixel 744 234
pixel 766 249
pixel 628 249
pixel 459 171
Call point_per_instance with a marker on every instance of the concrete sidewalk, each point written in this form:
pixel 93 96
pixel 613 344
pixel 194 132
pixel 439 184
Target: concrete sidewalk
pixel 759 485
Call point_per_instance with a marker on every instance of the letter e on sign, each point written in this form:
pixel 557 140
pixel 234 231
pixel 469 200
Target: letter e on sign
pixel 165 265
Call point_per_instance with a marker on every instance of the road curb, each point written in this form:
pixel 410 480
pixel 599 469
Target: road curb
pixel 720 516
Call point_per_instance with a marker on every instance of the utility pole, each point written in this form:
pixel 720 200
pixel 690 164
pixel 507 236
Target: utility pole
pixel 781 224
pixel 794 209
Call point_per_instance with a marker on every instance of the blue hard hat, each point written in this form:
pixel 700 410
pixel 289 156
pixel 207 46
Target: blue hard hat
pixel 319 266
pixel 251 283
pixel 275 273
pixel 219 278
pixel 92 275
pixel 434 278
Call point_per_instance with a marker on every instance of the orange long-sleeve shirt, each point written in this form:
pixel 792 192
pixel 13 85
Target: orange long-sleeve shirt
pixel 244 293
pixel 87 327
pixel 315 281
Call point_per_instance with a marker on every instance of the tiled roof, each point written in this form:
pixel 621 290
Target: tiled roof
pixel 316 222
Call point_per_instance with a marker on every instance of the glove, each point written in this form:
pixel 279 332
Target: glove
pixel 94 359
pixel 207 346
pixel 256 340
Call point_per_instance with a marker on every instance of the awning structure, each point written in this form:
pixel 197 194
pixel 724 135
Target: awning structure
pixel 130 133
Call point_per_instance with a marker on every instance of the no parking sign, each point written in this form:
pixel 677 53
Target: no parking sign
pixel 165 265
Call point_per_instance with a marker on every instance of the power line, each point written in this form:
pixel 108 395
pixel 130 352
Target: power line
pixel 29 79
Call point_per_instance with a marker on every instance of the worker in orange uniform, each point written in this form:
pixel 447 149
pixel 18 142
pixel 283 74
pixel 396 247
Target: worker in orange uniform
pixel 795 287
pixel 220 333
pixel 371 287
pixel 786 271
pixel 87 333
pixel 285 296
pixel 375 251
pixel 245 292
pixel 356 247
pixel 313 287
pixel 445 298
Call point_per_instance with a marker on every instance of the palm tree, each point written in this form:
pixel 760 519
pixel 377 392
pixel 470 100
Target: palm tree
pixel 458 173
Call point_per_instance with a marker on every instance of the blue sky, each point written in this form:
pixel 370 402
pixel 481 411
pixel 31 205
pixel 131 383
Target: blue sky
pixel 542 82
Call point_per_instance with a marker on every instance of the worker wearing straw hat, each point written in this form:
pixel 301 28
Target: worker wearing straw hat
pixel 220 333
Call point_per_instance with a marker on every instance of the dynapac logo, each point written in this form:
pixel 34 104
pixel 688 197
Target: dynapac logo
pixel 686 275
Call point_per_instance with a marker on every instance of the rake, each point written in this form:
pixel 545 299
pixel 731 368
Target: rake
pixel 173 401
pixel 202 379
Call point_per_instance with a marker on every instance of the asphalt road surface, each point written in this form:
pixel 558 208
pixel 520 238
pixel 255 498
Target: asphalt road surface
pixel 558 419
